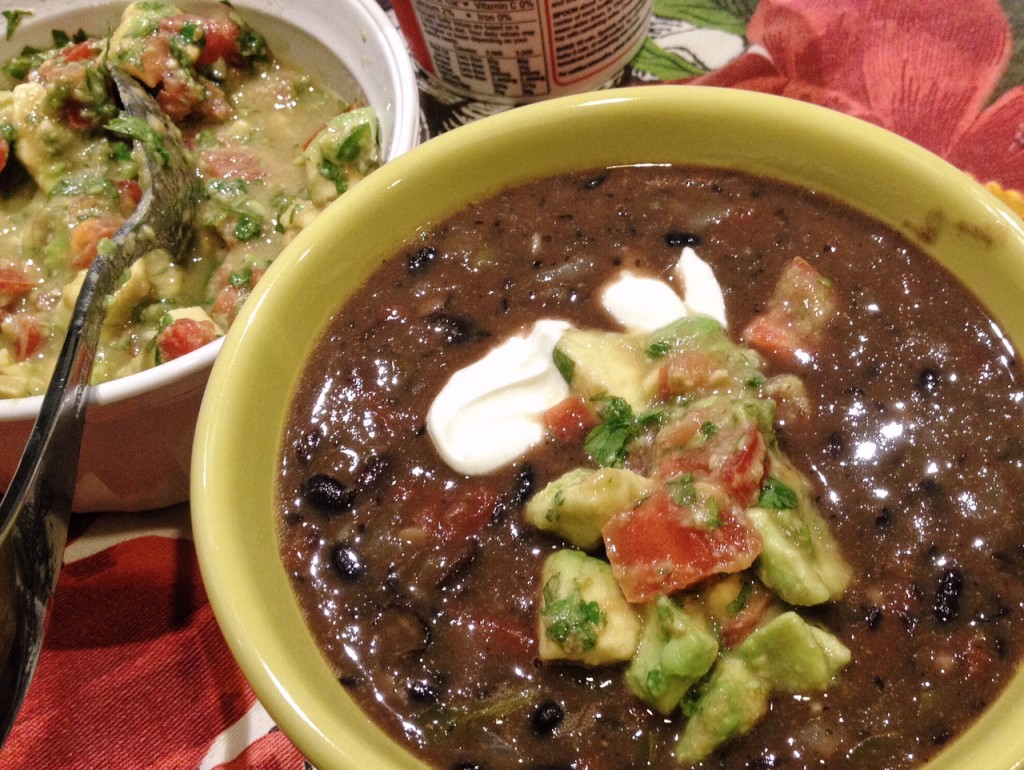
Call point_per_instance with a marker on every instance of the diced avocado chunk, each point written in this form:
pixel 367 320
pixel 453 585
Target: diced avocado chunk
pixel 577 504
pixel 787 654
pixel 342 153
pixel 801 560
pixel 675 652
pixel 599 363
pixel 733 701
pixel 703 334
pixel 583 615
pixel 792 655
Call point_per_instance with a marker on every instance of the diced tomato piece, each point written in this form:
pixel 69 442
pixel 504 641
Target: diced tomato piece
pixel 735 459
pixel 690 372
pixel 227 304
pixel 737 627
pixel 153 64
pixel 659 548
pixel 28 335
pixel 86 236
pixel 230 163
pixel 797 315
pixel 176 99
pixel 76 117
pixel 129 193
pixel 87 49
pixel 183 335
pixel 496 634
pixel 459 520
pixel 5 152
pixel 220 42
pixel 13 284
pixel 570 420
pixel 742 470
pixel 232 296
pixel 219 38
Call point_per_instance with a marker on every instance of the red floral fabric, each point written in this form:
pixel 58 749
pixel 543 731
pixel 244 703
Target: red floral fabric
pixel 922 71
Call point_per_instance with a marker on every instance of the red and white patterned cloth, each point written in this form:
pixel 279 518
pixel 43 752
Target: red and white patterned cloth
pixel 134 671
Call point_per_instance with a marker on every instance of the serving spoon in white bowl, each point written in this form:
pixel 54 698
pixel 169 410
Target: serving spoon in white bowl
pixel 36 508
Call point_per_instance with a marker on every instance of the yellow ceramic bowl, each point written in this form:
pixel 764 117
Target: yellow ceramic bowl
pixel 237 450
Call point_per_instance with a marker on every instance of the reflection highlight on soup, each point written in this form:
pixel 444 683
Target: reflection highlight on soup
pixel 784 542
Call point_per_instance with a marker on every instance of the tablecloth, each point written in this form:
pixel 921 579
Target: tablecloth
pixel 134 672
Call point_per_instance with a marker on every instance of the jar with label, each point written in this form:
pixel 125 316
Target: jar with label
pixel 516 51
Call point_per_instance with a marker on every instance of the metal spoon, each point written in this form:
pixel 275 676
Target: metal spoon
pixel 34 512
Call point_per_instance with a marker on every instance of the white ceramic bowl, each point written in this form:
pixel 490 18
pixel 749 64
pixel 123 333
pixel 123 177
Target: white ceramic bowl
pixel 138 435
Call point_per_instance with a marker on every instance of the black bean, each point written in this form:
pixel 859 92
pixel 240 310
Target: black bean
pixel 421 691
pixel 422 259
pixel 306 445
pixel 348 562
pixel 677 238
pixel 546 716
pixel 835 443
pixel 453 329
pixel 948 595
pixel 517 495
pixel 371 473
pixel 930 486
pixel 929 380
pixel 594 182
pixel 327 492
pixel 874 617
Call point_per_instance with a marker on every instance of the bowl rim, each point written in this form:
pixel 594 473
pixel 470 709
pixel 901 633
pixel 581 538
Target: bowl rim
pixel 405 135
pixel 222 533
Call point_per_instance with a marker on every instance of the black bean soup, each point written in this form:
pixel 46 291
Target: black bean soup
pixel 421 584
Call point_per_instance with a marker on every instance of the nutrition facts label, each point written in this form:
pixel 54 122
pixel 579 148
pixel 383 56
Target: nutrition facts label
pixel 526 48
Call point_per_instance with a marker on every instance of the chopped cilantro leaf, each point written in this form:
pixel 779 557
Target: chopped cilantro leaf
pixel 708 429
pixel 572 622
pixel 706 512
pixel 608 443
pixel 352 146
pixel 60 38
pixel 14 18
pixel 139 130
pixel 251 44
pixel 565 365
pixel 737 605
pixel 683 490
pixel 775 494
pixel 659 349
pixel 249 226
pixel 242 278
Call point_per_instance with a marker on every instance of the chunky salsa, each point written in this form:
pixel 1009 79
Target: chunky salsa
pixel 790 540
pixel 272 145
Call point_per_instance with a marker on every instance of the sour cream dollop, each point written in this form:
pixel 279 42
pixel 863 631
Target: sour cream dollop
pixel 642 303
pixel 491 412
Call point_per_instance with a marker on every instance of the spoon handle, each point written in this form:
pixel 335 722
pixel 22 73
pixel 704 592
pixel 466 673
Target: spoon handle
pixel 36 508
